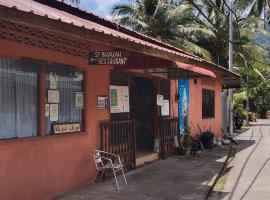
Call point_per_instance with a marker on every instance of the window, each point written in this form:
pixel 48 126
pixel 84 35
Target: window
pixel 18 99
pixel 64 91
pixel 208 103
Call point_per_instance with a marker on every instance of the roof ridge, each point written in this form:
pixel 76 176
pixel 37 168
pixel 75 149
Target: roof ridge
pixel 113 25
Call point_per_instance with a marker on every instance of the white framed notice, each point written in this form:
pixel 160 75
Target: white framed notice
pixel 79 100
pixel 165 108
pixel 53 80
pixel 54 110
pixel 53 96
pixel 119 99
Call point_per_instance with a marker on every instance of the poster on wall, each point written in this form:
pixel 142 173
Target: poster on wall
pixel 54 112
pixel 183 91
pixel 102 102
pixel 119 99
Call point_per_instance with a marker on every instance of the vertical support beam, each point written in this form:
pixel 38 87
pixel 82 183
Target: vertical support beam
pixel 42 102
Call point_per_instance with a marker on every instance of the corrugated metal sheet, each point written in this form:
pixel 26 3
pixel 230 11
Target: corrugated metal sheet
pixel 55 14
pixel 43 9
pixel 195 69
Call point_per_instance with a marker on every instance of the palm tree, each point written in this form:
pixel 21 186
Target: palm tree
pixel 253 8
pixel 170 21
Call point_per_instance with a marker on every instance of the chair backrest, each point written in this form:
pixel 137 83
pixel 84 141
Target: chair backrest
pixel 98 160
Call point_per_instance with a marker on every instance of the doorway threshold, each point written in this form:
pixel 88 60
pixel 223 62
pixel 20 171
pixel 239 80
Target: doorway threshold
pixel 143 157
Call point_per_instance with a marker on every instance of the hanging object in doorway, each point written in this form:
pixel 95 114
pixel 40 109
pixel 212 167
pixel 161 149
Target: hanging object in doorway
pixel 159 100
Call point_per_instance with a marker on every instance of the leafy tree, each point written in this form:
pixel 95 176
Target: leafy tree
pixel 170 21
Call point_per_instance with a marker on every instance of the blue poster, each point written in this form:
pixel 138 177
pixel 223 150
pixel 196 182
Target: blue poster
pixel 183 92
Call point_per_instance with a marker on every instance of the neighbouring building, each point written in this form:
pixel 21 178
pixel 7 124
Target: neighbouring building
pixel 72 82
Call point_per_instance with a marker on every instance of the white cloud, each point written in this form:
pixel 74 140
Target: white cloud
pixel 100 7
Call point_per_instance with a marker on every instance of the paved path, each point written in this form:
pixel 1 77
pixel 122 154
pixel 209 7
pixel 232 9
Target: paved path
pixel 249 179
pixel 176 178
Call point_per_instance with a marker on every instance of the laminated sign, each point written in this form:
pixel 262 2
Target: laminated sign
pixel 119 99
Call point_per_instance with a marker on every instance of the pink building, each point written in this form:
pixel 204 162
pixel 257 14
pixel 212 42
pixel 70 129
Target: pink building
pixel 72 82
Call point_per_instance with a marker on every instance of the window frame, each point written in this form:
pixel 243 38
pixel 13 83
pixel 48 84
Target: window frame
pixel 208 113
pixel 41 95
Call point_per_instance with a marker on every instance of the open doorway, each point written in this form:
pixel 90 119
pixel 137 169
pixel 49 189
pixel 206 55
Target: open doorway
pixel 143 101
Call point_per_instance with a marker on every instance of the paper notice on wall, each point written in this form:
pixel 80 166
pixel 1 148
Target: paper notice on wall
pixel 54 112
pixel 53 81
pixel 53 96
pixel 165 108
pixel 119 99
pixel 47 110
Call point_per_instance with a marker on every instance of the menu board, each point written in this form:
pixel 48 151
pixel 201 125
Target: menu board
pixel 119 99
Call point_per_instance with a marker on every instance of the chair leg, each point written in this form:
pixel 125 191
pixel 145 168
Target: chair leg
pixel 101 176
pixel 124 175
pixel 115 179
pixel 95 179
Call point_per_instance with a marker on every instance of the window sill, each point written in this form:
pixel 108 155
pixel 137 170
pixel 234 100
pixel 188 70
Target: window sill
pixel 208 117
pixel 41 138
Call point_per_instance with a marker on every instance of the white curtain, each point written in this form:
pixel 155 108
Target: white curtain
pixel 18 99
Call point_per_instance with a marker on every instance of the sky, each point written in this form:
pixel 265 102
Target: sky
pixel 100 7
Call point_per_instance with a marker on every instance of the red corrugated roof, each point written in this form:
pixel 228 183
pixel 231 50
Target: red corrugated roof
pixel 60 11
pixel 195 69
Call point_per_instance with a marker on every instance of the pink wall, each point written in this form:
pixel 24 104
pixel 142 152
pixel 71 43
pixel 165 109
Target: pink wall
pixel 47 165
pixel 195 106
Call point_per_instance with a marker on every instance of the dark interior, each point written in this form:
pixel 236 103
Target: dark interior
pixel 143 100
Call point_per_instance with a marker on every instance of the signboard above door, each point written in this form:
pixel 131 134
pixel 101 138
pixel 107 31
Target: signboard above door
pixel 114 57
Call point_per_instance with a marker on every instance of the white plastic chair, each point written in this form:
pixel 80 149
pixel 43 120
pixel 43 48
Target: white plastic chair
pixel 105 161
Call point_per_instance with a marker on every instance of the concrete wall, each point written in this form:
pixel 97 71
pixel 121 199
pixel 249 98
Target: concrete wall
pixel 195 106
pixel 43 166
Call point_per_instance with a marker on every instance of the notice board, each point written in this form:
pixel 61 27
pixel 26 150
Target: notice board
pixel 119 99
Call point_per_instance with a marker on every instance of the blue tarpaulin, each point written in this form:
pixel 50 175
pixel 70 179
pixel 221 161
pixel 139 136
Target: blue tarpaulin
pixel 183 92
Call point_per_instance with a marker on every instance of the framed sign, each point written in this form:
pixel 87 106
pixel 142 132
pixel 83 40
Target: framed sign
pixel 53 96
pixel 102 102
pixel 119 99
pixel 66 128
pixel 79 100
pixel 115 57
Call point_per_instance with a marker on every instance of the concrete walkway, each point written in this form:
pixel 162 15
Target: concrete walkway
pixel 249 178
pixel 175 178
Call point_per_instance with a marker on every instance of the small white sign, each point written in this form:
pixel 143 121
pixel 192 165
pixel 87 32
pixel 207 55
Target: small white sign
pixel 53 80
pixel 53 96
pixel 159 100
pixel 102 102
pixel 79 100
pixel 165 108
pixel 54 112
pixel 47 110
